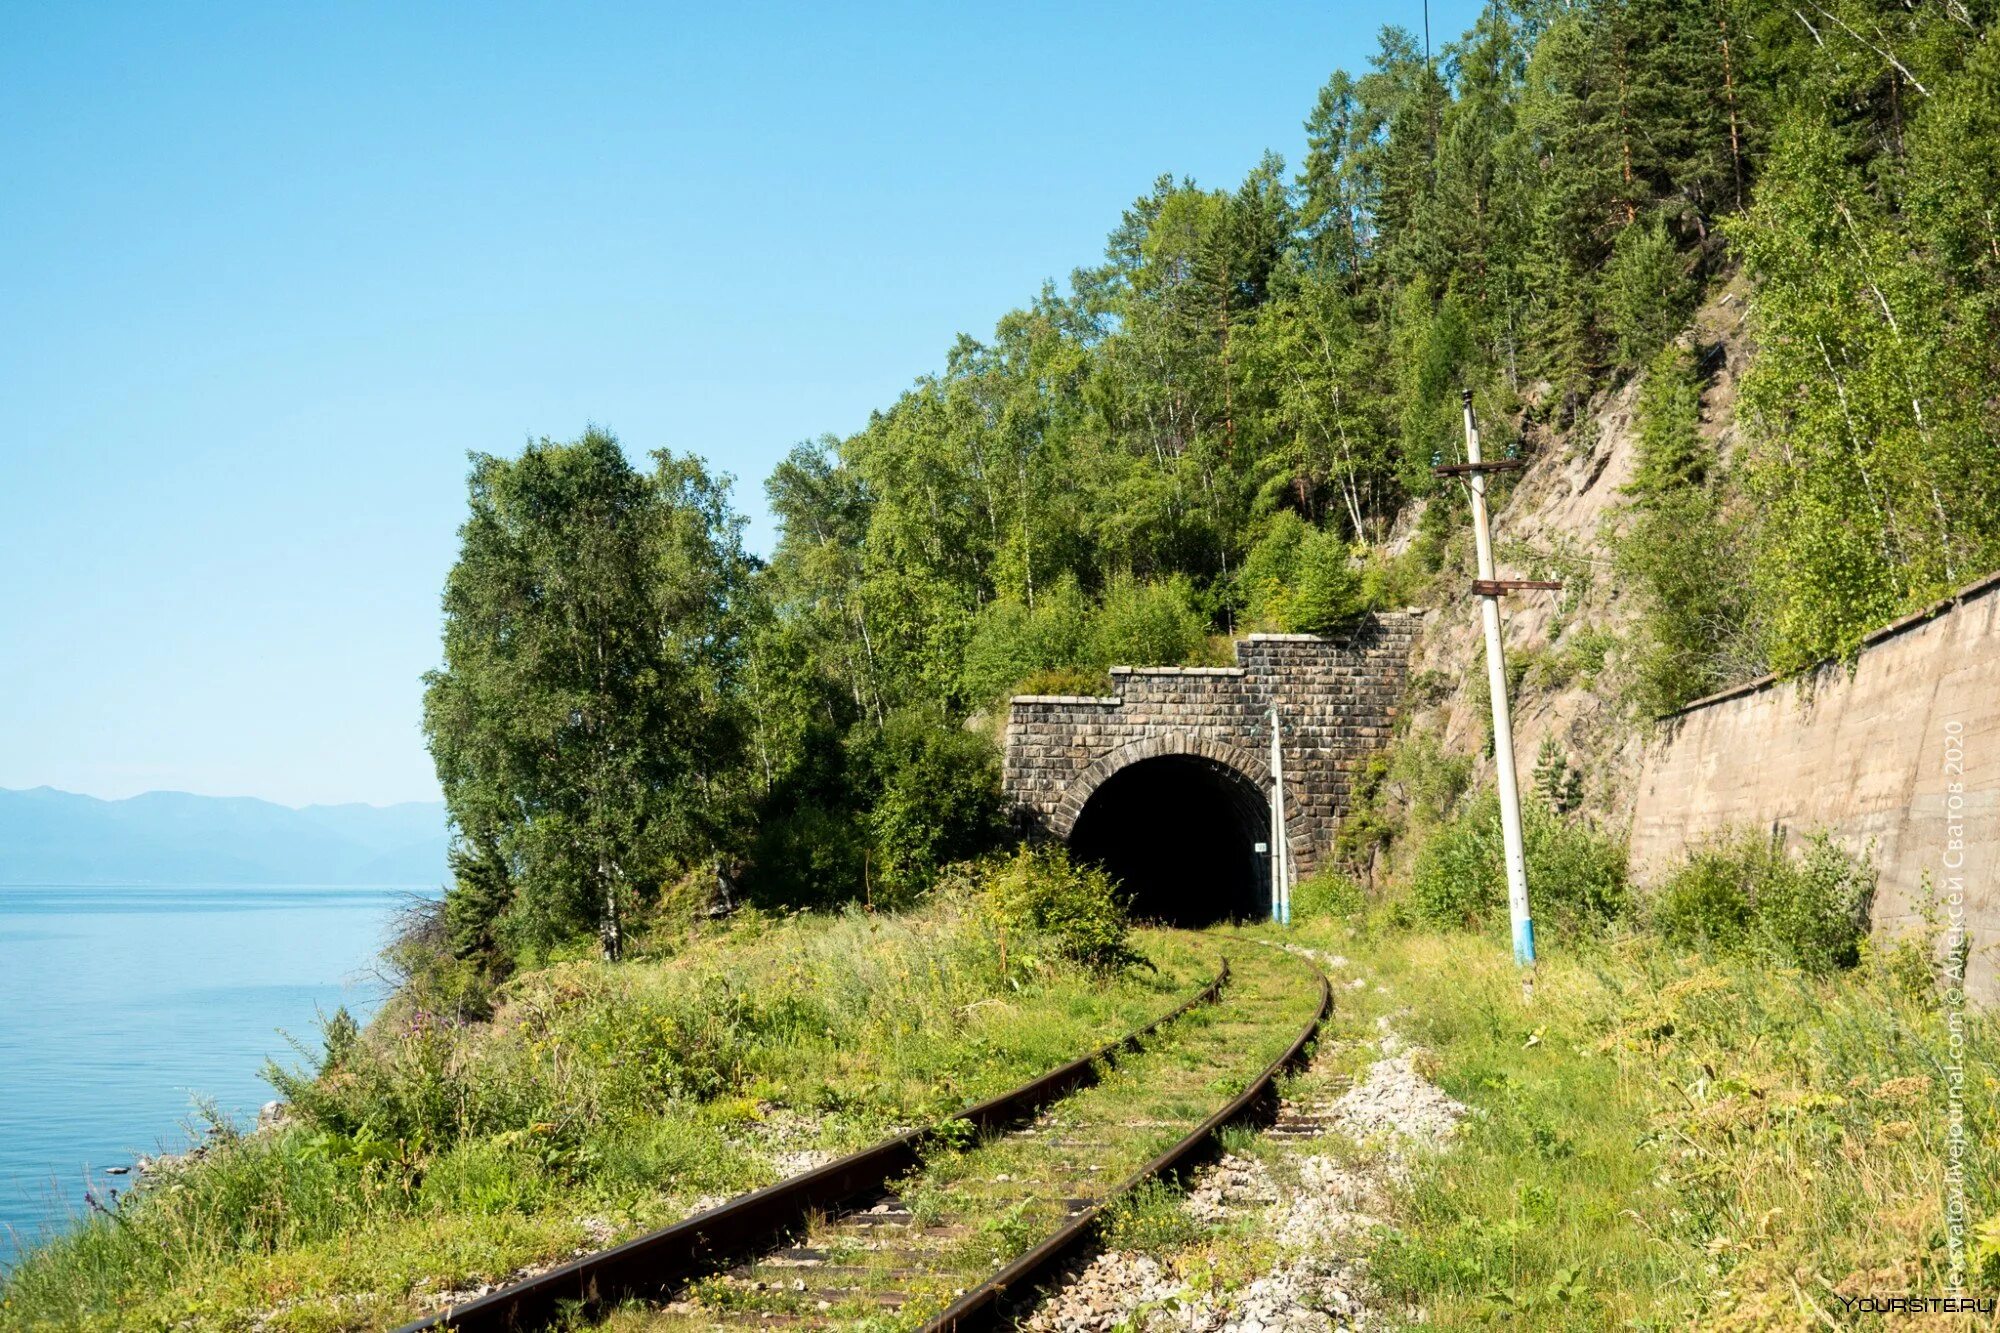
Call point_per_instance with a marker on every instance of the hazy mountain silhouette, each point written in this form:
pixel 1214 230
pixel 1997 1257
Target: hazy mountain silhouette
pixel 170 837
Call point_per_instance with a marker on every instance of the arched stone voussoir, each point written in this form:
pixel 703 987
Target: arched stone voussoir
pixel 1077 794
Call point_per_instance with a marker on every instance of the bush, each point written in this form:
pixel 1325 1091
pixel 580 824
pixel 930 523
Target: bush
pixel 1064 680
pixel 937 801
pixel 1076 906
pixel 1327 894
pixel 1148 624
pixel 1011 641
pixel 1816 914
pixel 1576 874
pixel 1302 580
pixel 1706 902
pixel 1067 638
pixel 1744 893
pixel 1460 875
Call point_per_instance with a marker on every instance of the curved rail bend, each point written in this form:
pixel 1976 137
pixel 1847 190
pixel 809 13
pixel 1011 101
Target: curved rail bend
pixel 663 1261
pixel 984 1306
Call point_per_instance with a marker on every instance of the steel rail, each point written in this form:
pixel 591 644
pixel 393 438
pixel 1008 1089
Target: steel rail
pixel 984 1306
pixel 665 1260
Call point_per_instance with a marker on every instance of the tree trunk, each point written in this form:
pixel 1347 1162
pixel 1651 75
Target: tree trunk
pixel 1729 96
pixel 608 928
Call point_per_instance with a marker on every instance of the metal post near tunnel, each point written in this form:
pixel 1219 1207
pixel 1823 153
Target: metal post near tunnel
pixel 1281 857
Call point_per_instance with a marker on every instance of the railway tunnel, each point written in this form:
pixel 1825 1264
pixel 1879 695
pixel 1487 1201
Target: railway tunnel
pixel 1166 780
pixel 1184 835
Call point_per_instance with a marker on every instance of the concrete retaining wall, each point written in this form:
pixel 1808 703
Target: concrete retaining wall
pixel 1903 754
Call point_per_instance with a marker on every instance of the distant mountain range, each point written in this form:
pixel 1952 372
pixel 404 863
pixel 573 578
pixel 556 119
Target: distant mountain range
pixel 170 837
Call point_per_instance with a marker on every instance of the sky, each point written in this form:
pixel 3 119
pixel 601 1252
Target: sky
pixel 270 272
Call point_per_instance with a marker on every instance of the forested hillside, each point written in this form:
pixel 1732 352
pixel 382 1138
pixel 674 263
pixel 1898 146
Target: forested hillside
pixel 1219 426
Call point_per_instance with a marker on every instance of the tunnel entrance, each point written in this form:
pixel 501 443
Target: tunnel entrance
pixel 1181 833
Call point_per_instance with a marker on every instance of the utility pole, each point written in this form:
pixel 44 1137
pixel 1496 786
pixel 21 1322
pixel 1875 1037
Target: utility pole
pixel 1281 857
pixel 1489 591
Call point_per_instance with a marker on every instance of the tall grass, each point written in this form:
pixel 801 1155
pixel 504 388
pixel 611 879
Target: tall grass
pixel 429 1152
pixel 1664 1140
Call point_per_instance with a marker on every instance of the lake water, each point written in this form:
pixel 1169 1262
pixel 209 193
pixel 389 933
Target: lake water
pixel 120 1006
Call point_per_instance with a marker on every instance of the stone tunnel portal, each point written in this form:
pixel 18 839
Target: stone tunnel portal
pixel 1181 832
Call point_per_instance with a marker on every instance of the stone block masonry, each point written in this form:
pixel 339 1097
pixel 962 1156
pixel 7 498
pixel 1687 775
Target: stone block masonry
pixel 1337 697
pixel 1901 755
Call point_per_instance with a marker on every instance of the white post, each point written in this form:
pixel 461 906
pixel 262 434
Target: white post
pixel 1503 725
pixel 1281 860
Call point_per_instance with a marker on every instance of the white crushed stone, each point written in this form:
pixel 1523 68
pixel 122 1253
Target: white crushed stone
pixel 1397 1100
pixel 1318 1208
pixel 801 1160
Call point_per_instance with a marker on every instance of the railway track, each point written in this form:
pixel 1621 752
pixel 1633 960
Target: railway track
pixel 950 1229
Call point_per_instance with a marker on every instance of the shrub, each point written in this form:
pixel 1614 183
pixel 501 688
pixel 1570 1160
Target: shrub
pixel 1063 680
pixel 1816 913
pixel 1076 906
pixel 1460 876
pixel 1559 785
pixel 810 854
pixel 1576 874
pixel 1148 624
pixel 1327 894
pixel 1744 893
pixel 1067 638
pixel 1705 903
pixel 1011 641
pixel 937 801
pixel 1302 580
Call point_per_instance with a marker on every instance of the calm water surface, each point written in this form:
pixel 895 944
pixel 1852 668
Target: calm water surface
pixel 120 1006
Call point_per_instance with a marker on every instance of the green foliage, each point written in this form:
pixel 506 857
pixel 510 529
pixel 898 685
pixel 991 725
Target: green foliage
pixel 1430 777
pixel 1683 551
pixel 1874 452
pixel 1327 893
pixel 1559 786
pixel 586 709
pixel 1148 624
pixel 1647 295
pixel 1066 636
pixel 1065 680
pixel 1301 580
pixel 936 800
pixel 1011 641
pixel 1076 907
pixel 1745 893
pixel 481 891
pixel 1706 901
pixel 1576 874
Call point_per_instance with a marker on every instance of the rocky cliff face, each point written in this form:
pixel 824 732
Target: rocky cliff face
pixel 1565 650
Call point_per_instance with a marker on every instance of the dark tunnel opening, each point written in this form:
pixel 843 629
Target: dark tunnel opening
pixel 1181 833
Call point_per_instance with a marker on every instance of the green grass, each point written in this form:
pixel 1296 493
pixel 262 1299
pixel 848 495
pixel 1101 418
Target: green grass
pixel 600 1100
pixel 1663 1140
pixel 989 1201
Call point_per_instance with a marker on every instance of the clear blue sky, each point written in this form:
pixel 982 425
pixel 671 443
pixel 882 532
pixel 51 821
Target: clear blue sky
pixel 269 272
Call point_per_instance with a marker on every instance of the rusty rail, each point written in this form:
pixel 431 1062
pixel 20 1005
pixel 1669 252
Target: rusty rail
pixel 984 1306
pixel 666 1260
